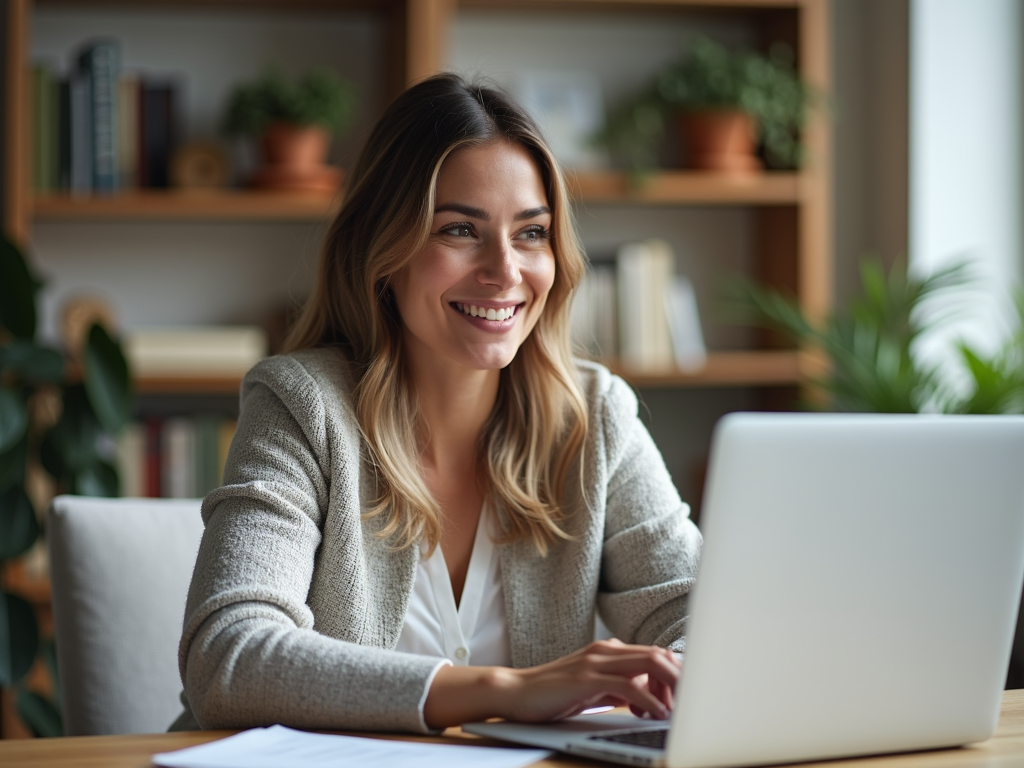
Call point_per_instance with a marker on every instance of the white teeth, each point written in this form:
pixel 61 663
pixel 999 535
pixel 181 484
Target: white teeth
pixel 489 314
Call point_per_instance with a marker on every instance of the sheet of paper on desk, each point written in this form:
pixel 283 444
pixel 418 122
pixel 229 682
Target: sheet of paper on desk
pixel 278 746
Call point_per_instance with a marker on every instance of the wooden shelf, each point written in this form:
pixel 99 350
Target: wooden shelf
pixel 188 385
pixel 781 368
pixel 774 368
pixel 622 5
pixel 687 188
pixel 609 187
pixel 213 205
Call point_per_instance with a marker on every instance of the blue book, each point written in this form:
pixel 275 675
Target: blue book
pixel 100 63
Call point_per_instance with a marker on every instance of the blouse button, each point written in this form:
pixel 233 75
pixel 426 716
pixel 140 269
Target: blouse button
pixel 461 653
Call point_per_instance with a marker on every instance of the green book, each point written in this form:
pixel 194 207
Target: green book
pixel 45 139
pixel 207 453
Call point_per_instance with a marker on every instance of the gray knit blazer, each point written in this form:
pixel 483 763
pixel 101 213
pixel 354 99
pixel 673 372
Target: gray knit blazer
pixel 296 604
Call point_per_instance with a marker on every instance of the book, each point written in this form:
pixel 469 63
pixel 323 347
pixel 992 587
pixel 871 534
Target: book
pixel 684 323
pixel 157 134
pixel 128 131
pixel 46 133
pixel 63 135
pixel 130 454
pixel 178 458
pixel 195 351
pixel 207 453
pixel 99 63
pixel 154 481
pixel 79 105
pixel 643 270
pixel 593 313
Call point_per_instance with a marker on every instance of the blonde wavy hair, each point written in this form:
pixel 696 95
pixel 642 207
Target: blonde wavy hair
pixel 537 428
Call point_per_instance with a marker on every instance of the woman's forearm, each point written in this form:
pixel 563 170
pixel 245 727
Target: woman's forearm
pixel 605 672
pixel 465 694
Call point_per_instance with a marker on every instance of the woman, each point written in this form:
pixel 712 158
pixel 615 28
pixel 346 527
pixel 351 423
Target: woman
pixel 427 499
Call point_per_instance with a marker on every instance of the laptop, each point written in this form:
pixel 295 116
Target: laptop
pixel 857 594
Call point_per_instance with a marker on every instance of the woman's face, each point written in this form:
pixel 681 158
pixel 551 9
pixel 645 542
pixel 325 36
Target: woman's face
pixel 472 294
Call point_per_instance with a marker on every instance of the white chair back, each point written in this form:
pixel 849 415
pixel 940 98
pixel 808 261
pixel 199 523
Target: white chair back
pixel 120 571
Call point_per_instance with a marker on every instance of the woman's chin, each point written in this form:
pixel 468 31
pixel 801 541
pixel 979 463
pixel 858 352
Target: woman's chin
pixel 493 360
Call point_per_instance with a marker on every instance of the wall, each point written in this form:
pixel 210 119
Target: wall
pixel 967 185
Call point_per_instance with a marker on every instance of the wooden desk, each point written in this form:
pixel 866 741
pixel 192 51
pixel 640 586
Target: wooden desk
pixel 1006 748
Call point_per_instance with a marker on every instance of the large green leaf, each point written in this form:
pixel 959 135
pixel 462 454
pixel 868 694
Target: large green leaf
pixel 40 714
pixel 98 479
pixel 19 638
pixel 13 417
pixel 12 464
pixel 19 527
pixel 18 289
pixel 32 361
pixel 71 445
pixel 107 381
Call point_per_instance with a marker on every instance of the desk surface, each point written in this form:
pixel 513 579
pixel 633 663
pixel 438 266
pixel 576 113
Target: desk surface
pixel 1005 748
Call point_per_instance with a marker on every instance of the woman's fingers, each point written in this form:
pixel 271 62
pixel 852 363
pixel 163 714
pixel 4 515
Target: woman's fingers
pixel 604 672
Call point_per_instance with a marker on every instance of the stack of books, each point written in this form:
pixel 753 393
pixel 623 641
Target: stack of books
pixel 98 129
pixel 181 457
pixel 194 351
pixel 638 311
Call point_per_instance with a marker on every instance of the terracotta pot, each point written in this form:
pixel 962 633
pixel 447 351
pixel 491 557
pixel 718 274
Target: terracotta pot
pixel 293 157
pixel 719 140
pixel 295 145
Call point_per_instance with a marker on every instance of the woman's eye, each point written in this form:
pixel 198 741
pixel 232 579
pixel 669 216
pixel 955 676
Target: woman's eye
pixel 535 234
pixel 458 230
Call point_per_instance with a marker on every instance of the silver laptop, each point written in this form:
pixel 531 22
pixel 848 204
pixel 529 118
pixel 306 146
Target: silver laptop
pixel 857 594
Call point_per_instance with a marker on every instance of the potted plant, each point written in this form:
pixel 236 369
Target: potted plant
pixel 294 122
pixel 725 103
pixel 55 409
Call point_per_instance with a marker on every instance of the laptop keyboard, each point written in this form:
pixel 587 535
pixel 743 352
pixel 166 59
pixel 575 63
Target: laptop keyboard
pixel 653 738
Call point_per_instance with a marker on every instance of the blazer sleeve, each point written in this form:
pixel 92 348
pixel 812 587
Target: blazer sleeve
pixel 249 652
pixel 651 547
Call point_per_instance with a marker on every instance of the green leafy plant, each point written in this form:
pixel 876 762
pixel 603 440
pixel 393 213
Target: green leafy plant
pixel 709 77
pixel 54 413
pixel 870 345
pixel 320 97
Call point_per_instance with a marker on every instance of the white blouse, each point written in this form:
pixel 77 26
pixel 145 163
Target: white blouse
pixel 476 631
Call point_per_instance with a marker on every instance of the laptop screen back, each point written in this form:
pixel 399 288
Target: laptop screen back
pixel 858 586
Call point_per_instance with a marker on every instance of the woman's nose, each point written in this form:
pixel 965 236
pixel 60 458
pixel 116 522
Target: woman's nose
pixel 500 265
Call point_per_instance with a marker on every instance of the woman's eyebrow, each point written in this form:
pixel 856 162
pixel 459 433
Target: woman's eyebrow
pixel 479 213
pixel 465 210
pixel 531 213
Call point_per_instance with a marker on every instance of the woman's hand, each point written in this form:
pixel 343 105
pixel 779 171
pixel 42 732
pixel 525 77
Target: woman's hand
pixel 606 672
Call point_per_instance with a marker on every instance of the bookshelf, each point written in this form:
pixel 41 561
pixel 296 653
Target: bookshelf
pixel 788 213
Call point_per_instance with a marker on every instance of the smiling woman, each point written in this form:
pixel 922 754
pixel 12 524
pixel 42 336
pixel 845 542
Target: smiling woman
pixel 428 500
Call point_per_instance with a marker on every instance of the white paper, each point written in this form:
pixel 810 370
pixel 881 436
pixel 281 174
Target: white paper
pixel 281 747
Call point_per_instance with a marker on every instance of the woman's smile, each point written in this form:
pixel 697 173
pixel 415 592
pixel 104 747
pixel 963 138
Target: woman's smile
pixel 488 316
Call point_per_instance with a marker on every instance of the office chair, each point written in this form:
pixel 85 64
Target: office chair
pixel 120 570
